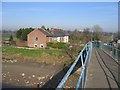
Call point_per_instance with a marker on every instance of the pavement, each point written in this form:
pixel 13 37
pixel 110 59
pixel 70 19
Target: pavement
pixel 103 71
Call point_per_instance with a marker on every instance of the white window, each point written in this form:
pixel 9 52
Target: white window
pixel 41 46
pixel 35 45
pixel 58 39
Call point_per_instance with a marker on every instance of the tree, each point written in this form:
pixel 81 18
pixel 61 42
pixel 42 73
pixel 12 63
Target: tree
pixel 86 31
pixel 11 38
pixel 75 36
pixel 86 35
pixel 22 33
pixel 18 33
pixel 97 32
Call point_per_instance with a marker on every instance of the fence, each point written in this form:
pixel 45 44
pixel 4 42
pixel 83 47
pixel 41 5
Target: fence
pixel 112 51
pixel 84 56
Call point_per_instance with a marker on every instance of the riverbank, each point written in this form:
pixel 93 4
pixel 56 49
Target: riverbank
pixel 47 56
pixel 27 74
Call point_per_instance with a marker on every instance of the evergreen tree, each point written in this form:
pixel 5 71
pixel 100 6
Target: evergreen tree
pixel 11 38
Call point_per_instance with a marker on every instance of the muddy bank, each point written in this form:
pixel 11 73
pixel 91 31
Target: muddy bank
pixel 20 74
pixel 33 75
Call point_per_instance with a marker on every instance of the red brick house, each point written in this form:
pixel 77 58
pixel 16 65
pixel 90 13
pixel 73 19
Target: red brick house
pixel 40 37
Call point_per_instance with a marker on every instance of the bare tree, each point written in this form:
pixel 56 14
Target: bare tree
pixel 86 35
pixel 97 32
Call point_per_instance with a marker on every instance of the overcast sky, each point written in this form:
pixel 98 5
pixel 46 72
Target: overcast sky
pixel 66 15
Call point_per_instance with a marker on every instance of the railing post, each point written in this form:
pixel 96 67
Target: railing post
pixel 83 79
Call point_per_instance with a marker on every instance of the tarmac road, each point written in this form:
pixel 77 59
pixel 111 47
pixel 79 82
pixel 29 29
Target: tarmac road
pixel 103 71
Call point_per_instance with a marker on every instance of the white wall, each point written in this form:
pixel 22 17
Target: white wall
pixel 58 39
pixel 66 39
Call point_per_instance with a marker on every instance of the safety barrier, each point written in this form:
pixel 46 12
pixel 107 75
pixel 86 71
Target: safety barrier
pixel 84 56
pixel 112 51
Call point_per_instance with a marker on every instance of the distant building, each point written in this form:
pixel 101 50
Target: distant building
pixel 40 37
pixel 81 30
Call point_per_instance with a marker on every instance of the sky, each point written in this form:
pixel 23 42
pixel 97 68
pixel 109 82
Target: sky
pixel 65 15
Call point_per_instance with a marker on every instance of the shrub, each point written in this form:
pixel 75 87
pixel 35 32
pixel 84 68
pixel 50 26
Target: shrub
pixel 49 44
pixel 59 45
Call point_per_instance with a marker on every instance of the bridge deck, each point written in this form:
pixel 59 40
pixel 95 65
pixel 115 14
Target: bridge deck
pixel 102 71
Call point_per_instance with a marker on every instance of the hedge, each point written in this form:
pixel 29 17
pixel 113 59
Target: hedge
pixel 59 45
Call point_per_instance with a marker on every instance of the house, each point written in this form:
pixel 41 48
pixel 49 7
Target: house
pixel 41 36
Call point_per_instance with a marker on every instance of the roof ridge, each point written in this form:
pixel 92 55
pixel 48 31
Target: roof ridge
pixel 46 31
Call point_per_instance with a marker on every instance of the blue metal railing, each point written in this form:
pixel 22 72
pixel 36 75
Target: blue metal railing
pixel 112 51
pixel 83 74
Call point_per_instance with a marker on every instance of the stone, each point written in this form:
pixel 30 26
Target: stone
pixel 39 78
pixel 23 74
pixel 41 82
pixel 33 75
pixel 27 82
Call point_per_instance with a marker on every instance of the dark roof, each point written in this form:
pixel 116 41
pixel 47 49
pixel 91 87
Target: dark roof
pixel 47 33
pixel 57 33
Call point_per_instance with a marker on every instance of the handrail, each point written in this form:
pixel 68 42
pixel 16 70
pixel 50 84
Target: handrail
pixel 113 47
pixel 88 48
pixel 115 51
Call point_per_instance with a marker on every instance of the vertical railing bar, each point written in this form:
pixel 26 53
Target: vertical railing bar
pixel 82 70
pixel 83 80
pixel 79 81
pixel 81 59
pixel 90 52
pixel 86 59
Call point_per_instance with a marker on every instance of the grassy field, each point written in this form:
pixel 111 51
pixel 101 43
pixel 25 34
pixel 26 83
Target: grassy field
pixel 6 36
pixel 48 56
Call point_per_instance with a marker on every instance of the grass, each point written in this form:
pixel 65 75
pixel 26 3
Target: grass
pixel 6 36
pixel 28 52
pixel 50 56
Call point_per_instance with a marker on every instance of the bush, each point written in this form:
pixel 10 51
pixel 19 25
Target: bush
pixel 49 44
pixel 59 45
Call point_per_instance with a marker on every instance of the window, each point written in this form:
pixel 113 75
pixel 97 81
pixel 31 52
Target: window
pixel 36 39
pixel 35 45
pixel 41 46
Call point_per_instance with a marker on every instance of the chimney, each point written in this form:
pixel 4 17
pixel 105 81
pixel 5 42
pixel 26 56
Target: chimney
pixel 43 27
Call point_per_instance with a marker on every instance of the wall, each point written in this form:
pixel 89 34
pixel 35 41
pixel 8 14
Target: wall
pixel 42 39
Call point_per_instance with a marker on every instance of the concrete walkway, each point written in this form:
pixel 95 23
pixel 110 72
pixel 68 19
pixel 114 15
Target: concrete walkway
pixel 102 71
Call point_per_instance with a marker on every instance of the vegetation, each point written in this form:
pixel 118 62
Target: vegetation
pixel 58 53
pixel 22 33
pixel 59 45
pixel 6 35
pixel 11 38
pixel 86 35
pixel 97 34
pixel 49 56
